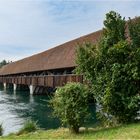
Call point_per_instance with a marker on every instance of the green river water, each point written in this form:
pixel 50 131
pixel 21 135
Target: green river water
pixel 16 108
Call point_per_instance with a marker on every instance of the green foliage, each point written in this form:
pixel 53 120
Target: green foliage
pixel 1 130
pixel 134 31
pixel 114 30
pixel 4 62
pixel 113 69
pixel 70 105
pixel 28 127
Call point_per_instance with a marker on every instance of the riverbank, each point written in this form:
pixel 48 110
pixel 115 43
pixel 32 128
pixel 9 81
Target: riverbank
pixel 16 109
pixel 130 131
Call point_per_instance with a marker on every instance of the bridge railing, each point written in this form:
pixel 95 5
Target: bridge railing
pixel 47 80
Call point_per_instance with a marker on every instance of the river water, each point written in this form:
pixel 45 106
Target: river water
pixel 16 108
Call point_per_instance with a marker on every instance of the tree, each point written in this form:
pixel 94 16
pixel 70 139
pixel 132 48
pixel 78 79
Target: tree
pixel 4 62
pixel 70 105
pixel 113 68
pixel 1 130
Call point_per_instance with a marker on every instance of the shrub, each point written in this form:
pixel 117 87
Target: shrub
pixel 29 126
pixel 1 130
pixel 113 69
pixel 70 105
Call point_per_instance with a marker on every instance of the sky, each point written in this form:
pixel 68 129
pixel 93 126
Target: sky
pixel 28 27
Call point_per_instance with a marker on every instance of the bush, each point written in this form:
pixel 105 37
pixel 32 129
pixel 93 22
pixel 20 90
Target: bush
pixel 1 130
pixel 113 69
pixel 70 105
pixel 29 126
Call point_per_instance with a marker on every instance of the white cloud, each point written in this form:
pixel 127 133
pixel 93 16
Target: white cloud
pixel 31 26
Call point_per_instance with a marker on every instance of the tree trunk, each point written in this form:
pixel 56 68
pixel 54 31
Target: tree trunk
pixel 74 129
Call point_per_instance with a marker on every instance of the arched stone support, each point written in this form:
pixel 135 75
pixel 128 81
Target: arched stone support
pixel 42 90
pixel 32 88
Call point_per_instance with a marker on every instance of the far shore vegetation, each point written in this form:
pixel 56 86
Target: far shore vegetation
pixel 111 70
pixel 4 62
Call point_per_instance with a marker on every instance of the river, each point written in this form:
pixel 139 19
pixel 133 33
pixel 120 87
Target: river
pixel 16 108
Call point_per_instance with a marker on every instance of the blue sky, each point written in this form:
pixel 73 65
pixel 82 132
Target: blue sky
pixel 28 27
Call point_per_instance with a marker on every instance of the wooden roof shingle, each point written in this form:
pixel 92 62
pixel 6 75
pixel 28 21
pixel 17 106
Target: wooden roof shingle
pixel 62 56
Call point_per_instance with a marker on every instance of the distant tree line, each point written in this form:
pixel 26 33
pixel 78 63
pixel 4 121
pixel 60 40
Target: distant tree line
pixel 4 62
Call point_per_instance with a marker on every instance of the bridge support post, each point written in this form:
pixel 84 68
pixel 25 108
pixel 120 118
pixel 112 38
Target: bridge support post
pixel 4 84
pixel 15 87
pixel 32 88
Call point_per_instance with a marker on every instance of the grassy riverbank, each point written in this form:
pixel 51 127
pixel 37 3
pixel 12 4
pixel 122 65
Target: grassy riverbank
pixel 131 131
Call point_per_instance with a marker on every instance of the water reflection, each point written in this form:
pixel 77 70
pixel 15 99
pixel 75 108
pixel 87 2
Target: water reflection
pixel 16 108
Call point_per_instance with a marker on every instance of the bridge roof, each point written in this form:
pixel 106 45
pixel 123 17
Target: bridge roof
pixel 62 56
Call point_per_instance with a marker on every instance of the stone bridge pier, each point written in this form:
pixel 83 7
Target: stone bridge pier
pixel 32 89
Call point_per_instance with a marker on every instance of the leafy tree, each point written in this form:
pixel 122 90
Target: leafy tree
pixel 1 130
pixel 134 31
pixel 4 62
pixel 113 68
pixel 70 105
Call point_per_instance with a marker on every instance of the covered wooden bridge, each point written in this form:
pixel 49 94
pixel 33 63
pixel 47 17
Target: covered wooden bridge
pixel 48 69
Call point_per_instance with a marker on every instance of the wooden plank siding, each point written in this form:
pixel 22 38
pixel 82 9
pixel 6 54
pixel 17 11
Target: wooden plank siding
pixel 48 81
